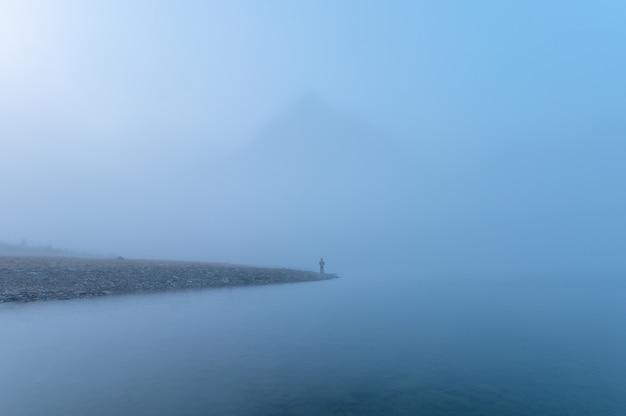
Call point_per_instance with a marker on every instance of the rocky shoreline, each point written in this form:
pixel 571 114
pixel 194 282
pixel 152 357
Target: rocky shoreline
pixel 28 279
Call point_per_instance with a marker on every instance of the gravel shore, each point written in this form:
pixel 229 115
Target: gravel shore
pixel 27 279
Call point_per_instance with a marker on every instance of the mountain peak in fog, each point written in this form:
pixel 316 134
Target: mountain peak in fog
pixel 311 128
pixel 309 104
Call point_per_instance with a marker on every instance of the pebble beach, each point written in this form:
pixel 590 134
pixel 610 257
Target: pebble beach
pixel 28 279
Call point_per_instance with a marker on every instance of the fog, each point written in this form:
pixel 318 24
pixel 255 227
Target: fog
pixel 428 138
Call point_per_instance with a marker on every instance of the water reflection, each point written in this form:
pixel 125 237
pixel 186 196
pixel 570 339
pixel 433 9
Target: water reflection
pixel 345 346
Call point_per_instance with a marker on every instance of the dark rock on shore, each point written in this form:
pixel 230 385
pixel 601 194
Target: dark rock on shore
pixel 26 279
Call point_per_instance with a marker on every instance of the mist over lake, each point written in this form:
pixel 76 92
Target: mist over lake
pixel 409 135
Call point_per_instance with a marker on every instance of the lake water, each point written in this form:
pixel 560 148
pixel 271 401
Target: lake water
pixel 349 346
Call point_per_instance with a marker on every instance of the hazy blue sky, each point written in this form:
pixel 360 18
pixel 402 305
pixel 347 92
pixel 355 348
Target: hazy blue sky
pixel 113 115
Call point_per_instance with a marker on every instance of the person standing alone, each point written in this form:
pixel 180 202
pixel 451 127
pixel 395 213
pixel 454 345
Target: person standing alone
pixel 322 265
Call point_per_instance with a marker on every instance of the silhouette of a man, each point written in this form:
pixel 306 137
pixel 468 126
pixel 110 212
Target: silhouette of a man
pixel 322 263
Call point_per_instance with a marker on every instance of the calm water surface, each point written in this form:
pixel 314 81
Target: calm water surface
pixel 349 346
